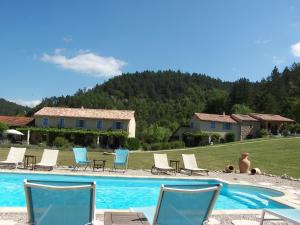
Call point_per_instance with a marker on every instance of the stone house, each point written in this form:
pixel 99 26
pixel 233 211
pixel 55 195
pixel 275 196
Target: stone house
pixel 242 126
pixel 213 123
pixel 248 126
pixel 273 123
pixel 90 119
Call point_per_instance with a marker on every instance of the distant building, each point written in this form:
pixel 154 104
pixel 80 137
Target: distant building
pixel 242 126
pixel 91 119
pixel 273 123
pixel 17 121
pixel 247 126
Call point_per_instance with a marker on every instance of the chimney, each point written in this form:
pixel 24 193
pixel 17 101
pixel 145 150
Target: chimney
pixel 224 114
pixel 82 107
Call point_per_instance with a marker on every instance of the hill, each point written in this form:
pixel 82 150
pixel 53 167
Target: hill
pixel 168 98
pixel 11 109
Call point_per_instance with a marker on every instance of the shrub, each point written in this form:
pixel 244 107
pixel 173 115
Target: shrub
pixel 295 128
pixel 3 127
pixel 132 144
pixel 215 138
pixel 285 133
pixel 249 136
pixel 60 142
pixel 164 145
pixel 193 139
pixel 176 144
pixel 229 137
pixel 146 146
pixel 262 133
pixel 156 146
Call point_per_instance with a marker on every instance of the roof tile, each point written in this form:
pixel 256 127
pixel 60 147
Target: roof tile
pixel 16 120
pixel 270 117
pixel 242 117
pixel 85 113
pixel 215 117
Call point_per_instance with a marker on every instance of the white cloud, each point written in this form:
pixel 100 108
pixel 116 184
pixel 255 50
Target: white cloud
pixel 86 62
pixel 295 48
pixel 30 103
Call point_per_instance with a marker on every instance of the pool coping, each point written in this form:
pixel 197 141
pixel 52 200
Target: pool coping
pixel 286 199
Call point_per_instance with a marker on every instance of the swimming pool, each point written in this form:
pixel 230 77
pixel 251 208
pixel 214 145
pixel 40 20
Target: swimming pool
pixel 124 193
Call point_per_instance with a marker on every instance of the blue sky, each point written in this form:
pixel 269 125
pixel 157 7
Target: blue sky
pixel 53 48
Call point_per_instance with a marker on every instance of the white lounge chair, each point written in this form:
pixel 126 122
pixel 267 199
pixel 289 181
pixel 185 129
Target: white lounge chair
pixel 291 215
pixel 190 164
pixel 49 159
pixel 15 156
pixel 161 164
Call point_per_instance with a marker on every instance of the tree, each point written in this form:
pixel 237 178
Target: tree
pixel 3 127
pixel 241 109
pixel 216 102
pixel 241 92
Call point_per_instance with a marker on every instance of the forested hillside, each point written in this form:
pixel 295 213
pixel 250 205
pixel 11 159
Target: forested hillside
pixel 168 98
pixel 11 109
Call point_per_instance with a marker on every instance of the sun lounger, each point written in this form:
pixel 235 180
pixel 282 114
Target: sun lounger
pixel 190 164
pixel 49 159
pixel 121 158
pixel 14 157
pixel 291 215
pixel 161 164
pixel 60 202
pixel 80 156
pixel 182 205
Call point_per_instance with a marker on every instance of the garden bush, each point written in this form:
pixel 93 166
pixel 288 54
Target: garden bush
pixel 262 133
pixel 60 142
pixel 229 137
pixel 215 138
pixel 132 144
pixel 285 132
pixel 164 145
pixel 176 144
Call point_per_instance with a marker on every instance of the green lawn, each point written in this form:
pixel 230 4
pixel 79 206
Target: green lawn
pixel 277 156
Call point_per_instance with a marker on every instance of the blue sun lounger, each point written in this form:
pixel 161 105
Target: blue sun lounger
pixel 121 158
pixel 80 156
pixel 291 215
pixel 182 205
pixel 60 203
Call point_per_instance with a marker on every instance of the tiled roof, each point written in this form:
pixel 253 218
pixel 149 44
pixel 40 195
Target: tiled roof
pixel 215 117
pixel 85 113
pixel 17 121
pixel 242 117
pixel 270 117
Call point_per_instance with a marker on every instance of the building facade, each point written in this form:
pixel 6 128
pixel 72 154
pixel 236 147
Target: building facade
pixel 242 126
pixel 90 119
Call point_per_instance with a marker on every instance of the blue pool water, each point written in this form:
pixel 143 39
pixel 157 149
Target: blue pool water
pixel 124 193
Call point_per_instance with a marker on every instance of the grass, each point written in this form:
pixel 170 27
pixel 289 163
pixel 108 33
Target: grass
pixel 276 156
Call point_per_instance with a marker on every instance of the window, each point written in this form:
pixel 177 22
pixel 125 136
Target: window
pixel 118 125
pixel 250 126
pixel 80 123
pixel 99 124
pixel 212 124
pixel 226 126
pixel 61 122
pixel 45 122
pixel 191 125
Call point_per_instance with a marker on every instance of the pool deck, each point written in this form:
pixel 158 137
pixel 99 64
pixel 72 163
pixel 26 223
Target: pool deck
pixel 290 188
